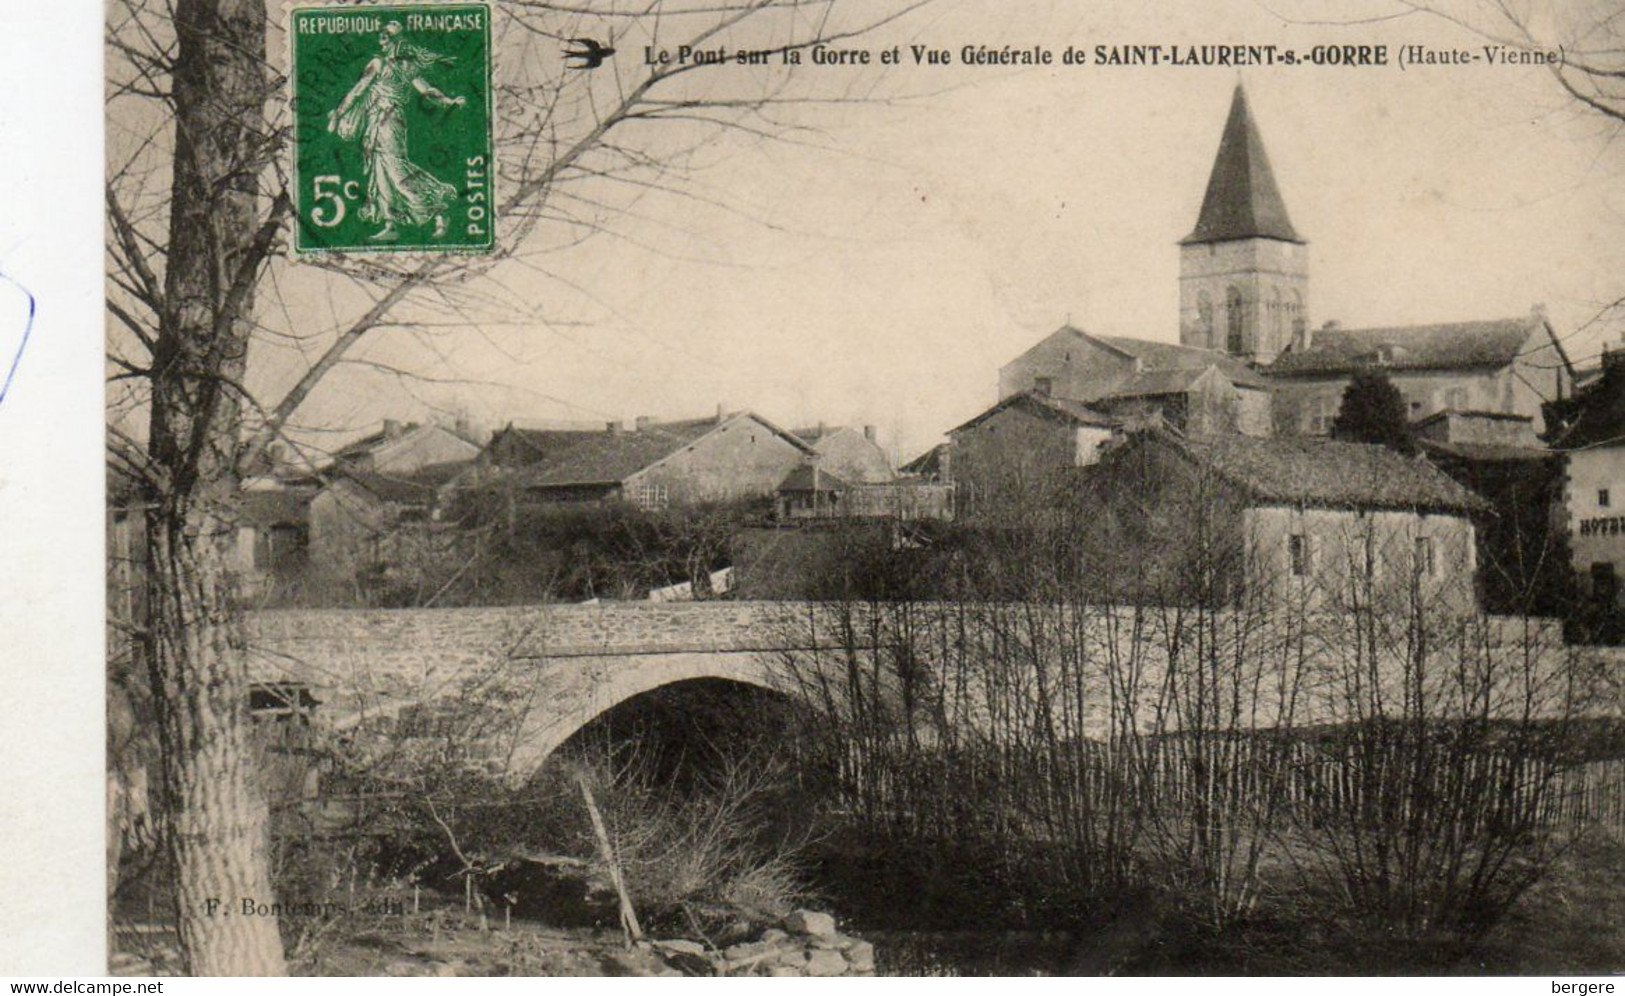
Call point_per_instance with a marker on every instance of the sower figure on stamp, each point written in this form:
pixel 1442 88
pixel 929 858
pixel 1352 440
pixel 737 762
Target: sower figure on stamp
pixel 398 190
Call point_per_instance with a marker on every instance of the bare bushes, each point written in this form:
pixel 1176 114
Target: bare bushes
pixel 1232 727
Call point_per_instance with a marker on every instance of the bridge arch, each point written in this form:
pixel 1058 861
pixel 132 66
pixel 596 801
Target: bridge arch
pixel 547 725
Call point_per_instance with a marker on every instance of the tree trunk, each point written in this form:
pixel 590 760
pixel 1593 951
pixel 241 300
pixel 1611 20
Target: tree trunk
pixel 217 831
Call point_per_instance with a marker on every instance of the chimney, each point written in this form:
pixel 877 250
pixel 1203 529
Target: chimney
pixel 392 428
pixel 869 433
pixel 642 423
pixel 722 414
pixel 614 428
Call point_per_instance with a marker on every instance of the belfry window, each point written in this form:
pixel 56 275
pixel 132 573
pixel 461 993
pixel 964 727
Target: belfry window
pixel 1233 306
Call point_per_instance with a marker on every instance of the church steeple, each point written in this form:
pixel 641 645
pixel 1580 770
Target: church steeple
pixel 1244 270
pixel 1242 200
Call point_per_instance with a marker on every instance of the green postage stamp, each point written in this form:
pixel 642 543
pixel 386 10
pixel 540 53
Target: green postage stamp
pixel 392 127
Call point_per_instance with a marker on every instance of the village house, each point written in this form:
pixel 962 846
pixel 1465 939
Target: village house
pixel 1199 390
pixel 1022 450
pixel 1315 523
pixel 403 448
pixel 365 524
pixel 273 532
pixel 1591 439
pixel 1484 369
pixel 658 465
pixel 810 493
pixel 852 454
pixel 513 447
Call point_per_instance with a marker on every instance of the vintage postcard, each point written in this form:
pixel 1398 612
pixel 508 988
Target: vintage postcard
pixel 909 488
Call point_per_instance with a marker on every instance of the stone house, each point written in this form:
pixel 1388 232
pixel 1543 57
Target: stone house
pixel 810 493
pixel 849 453
pixel 273 532
pixel 367 524
pixel 1022 450
pixel 1503 367
pixel 1591 439
pixel 1314 523
pixel 1198 390
pixel 405 448
pixel 658 465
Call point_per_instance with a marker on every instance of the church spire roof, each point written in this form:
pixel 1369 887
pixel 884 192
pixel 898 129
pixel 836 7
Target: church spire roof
pixel 1242 201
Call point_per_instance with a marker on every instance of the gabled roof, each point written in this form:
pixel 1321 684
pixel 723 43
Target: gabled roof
pixel 1451 345
pixel 546 444
pixel 417 488
pixel 1044 406
pixel 802 479
pixel 1242 200
pixel 611 457
pixel 1161 357
pixel 385 438
pixel 1327 473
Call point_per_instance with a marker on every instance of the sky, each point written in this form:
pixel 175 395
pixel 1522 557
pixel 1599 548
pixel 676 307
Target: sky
pixel 879 267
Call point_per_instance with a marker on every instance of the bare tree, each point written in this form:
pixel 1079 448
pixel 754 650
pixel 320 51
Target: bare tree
pixel 198 208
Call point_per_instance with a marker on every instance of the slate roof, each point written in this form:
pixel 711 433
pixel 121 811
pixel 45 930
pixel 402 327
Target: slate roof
pixel 611 457
pixel 1242 200
pixel 801 480
pixel 1328 473
pixel 1161 357
pixel 1058 409
pixel 1448 346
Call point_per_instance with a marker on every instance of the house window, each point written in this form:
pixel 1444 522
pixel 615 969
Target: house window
pixel 1323 415
pixel 1427 564
pixel 1043 385
pixel 1602 497
pixel 652 497
pixel 1297 546
pixel 1456 399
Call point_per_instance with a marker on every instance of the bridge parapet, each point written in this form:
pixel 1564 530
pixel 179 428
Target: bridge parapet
pixel 547 631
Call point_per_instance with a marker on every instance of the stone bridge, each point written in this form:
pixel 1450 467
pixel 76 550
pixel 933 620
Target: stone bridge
pixel 556 666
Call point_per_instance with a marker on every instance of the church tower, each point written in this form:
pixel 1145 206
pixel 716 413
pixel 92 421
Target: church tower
pixel 1244 270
